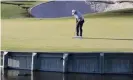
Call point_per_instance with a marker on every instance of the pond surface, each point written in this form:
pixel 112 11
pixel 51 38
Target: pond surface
pixel 28 75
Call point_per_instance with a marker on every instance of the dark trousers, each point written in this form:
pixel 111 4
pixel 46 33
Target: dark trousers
pixel 79 26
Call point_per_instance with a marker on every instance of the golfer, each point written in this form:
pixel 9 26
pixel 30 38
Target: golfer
pixel 79 22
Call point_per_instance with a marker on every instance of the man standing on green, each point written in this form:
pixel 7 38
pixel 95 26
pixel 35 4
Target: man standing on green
pixel 79 23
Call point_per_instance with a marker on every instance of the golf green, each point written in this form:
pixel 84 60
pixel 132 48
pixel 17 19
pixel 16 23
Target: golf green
pixel 108 34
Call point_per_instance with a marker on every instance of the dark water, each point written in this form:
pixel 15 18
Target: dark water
pixel 17 75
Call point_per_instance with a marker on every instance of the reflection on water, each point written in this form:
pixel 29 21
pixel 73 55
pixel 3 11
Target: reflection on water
pixel 17 75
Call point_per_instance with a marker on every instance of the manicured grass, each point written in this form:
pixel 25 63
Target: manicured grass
pixel 14 11
pixel 111 31
pixel 100 34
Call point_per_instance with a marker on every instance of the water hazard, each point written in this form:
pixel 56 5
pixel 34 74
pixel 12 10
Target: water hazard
pixel 28 75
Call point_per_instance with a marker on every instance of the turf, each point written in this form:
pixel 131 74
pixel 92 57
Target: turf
pixel 108 34
pixel 111 31
pixel 9 11
pixel 12 11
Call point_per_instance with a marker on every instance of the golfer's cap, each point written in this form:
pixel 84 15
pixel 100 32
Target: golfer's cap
pixel 73 12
